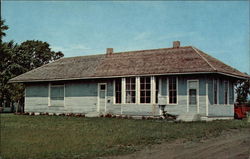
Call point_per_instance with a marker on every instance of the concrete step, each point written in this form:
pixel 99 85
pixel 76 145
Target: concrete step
pixel 189 117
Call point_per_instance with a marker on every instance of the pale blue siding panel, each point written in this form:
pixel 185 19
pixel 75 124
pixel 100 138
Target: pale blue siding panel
pixel 210 91
pixel 81 89
pixel 164 86
pixel 202 96
pixel 231 92
pixel 182 86
pixel 221 110
pixel 140 109
pixel 221 92
pixel 37 90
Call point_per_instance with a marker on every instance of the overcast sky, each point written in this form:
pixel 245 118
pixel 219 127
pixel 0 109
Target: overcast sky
pixel 76 28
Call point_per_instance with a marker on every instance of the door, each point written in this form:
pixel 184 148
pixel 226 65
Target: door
pixel 102 91
pixel 193 97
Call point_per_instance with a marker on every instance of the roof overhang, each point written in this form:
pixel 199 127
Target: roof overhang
pixel 105 77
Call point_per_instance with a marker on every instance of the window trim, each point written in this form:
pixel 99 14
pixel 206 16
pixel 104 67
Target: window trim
pixel 177 81
pixel 49 94
pixel 125 91
pixel 145 90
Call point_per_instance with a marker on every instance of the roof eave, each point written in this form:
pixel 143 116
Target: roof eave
pixel 68 79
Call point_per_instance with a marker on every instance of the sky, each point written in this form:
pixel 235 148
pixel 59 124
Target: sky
pixel 78 28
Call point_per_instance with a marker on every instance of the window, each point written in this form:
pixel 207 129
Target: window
pixel 156 89
pixel 225 92
pixel 56 95
pixel 192 96
pixel 118 88
pixel 130 90
pixel 103 87
pixel 57 92
pixel 172 86
pixel 145 90
pixel 215 91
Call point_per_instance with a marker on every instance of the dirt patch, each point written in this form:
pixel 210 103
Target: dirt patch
pixel 232 144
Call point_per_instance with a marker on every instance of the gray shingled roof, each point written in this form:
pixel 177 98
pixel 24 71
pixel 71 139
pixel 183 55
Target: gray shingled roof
pixel 144 62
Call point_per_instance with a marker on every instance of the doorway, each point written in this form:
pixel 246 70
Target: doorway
pixel 193 96
pixel 102 93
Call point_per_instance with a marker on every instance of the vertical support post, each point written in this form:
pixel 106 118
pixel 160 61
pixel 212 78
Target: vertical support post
pixel 160 87
pixel 123 90
pixel 152 89
pixel 206 97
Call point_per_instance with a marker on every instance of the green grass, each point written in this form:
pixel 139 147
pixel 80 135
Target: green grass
pixel 71 137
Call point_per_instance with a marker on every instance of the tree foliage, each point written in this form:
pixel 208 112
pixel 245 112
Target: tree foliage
pixel 242 91
pixel 3 27
pixel 16 59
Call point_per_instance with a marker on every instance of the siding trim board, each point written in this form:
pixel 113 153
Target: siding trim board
pixel 207 97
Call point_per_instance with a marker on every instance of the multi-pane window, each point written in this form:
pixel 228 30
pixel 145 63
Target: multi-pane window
pixel 156 89
pixel 172 86
pixel 225 92
pixel 215 91
pixel 192 96
pixel 57 92
pixel 145 90
pixel 118 88
pixel 130 90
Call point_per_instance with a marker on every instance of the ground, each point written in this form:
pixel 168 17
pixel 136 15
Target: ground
pixel 62 137
pixel 231 144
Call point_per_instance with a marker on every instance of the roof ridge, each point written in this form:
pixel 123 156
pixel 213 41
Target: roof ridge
pixel 169 48
pixel 204 58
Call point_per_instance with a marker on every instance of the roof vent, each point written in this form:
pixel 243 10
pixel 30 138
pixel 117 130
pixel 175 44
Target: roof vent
pixel 176 44
pixel 109 51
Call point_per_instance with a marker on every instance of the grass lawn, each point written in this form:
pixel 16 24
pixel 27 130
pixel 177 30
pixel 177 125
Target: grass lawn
pixel 73 137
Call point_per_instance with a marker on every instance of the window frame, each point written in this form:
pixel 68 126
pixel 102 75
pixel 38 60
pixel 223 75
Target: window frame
pixel 168 91
pixel 49 94
pixel 196 97
pixel 130 90
pixel 145 90
pixel 114 91
pixel 157 90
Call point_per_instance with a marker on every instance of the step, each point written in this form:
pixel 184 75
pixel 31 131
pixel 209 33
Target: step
pixel 188 117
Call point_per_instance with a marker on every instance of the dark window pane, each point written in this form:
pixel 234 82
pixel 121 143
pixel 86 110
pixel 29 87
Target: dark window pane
pixel 102 87
pixel 192 96
pixel 118 90
pixel 57 92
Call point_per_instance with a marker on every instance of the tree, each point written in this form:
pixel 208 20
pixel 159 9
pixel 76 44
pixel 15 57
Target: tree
pixel 33 53
pixel 9 69
pixel 17 59
pixel 242 91
pixel 3 28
